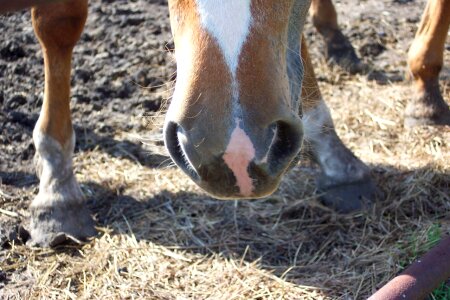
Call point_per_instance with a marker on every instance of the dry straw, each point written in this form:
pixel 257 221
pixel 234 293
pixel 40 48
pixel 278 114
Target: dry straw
pixel 162 238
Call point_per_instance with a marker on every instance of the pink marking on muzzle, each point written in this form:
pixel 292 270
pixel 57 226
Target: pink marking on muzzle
pixel 238 155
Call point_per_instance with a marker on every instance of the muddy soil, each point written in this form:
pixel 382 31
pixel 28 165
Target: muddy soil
pixel 123 72
pixel 121 66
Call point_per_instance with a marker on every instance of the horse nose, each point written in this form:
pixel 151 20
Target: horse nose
pixel 248 163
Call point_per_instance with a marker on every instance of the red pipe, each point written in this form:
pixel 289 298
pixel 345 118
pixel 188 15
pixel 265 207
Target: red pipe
pixel 421 278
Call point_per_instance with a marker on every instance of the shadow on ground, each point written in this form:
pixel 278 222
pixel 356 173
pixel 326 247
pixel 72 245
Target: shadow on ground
pixel 291 236
pixel 280 232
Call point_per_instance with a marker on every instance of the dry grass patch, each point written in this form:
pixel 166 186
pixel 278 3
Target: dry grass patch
pixel 161 237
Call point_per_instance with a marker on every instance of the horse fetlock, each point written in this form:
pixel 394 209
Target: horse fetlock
pixel 53 163
pixel 427 108
pixel 340 52
pixel 58 212
pixel 345 182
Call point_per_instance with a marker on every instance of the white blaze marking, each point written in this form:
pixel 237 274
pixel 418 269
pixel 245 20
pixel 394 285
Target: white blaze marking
pixel 229 22
pixel 238 155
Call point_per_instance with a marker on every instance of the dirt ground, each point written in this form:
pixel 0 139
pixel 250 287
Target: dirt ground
pixel 160 236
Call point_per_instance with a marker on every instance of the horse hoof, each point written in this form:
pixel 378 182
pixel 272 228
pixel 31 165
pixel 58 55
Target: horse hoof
pixel 349 63
pixel 418 115
pixel 443 119
pixel 348 197
pixel 340 52
pixel 53 226
pixel 428 108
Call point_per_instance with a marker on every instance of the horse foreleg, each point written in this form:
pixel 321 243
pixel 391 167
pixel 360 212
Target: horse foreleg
pixel 10 6
pixel 339 50
pixel 425 59
pixel 345 182
pixel 58 212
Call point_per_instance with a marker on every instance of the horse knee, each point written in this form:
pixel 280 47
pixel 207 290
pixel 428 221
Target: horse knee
pixel 59 25
pixel 324 16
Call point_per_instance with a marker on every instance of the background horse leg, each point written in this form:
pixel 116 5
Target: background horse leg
pixel 58 211
pixel 425 59
pixel 10 6
pixel 339 50
pixel 345 180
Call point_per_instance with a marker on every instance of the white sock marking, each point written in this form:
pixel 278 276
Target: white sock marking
pixel 334 158
pixel 315 120
pixel 57 185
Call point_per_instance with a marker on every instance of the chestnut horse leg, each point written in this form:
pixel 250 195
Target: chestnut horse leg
pixel 345 181
pixel 10 6
pixel 58 212
pixel 339 50
pixel 425 59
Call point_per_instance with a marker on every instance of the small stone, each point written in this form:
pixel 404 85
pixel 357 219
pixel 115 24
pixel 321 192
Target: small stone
pixel 12 51
pixel 151 105
pixel 131 21
pixel 16 101
pixel 82 75
pixel 141 78
pixel 3 276
pixel 372 49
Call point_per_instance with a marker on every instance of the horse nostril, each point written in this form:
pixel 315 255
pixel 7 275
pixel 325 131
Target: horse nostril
pixel 286 145
pixel 172 135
